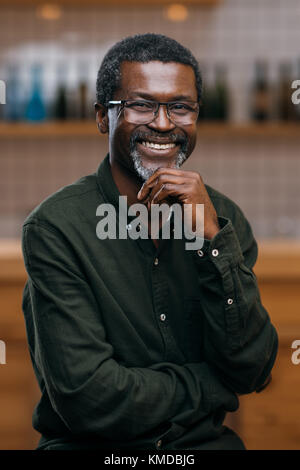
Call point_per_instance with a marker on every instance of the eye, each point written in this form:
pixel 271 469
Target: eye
pixel 139 105
pixel 180 108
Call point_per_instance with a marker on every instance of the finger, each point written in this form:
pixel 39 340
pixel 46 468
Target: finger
pixel 158 186
pixel 154 185
pixel 158 174
pixel 169 190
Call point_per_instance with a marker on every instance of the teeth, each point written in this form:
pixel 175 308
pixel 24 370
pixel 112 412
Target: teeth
pixel 152 145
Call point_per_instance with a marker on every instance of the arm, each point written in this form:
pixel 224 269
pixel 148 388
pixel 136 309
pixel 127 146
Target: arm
pixel 240 340
pixel 88 389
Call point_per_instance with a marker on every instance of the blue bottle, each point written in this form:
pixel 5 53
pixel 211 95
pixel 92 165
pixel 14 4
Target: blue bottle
pixel 36 110
pixel 12 111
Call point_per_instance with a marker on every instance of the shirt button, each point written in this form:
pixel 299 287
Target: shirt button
pixel 156 261
pixel 200 253
pixel 229 301
pixel 158 444
pixel 215 252
pixel 163 317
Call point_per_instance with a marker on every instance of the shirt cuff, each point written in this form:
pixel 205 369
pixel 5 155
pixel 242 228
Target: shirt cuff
pixel 223 249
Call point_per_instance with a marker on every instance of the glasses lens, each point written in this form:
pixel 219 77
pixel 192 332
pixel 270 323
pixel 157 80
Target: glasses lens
pixel 139 112
pixel 143 112
pixel 183 113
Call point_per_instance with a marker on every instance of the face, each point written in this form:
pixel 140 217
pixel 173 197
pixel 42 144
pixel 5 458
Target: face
pixel 132 145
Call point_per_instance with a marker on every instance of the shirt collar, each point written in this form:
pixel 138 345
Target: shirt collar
pixel 106 183
pixel 109 189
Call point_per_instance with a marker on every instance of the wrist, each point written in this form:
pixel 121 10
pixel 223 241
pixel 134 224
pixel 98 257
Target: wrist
pixel 210 232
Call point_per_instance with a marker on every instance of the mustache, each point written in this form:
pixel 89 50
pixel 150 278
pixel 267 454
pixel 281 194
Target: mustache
pixel 171 137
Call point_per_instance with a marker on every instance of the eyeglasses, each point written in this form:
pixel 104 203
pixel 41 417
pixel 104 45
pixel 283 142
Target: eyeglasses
pixel 144 111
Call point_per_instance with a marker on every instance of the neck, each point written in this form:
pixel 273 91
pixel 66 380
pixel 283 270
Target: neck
pixel 127 182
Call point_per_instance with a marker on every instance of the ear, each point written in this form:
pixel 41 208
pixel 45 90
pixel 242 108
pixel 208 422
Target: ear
pixel 102 118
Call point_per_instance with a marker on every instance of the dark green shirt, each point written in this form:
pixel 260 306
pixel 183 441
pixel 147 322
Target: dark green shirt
pixel 134 346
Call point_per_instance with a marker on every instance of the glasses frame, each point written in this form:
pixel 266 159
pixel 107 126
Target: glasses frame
pixel 158 104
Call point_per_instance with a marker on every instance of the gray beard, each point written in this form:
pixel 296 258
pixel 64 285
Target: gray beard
pixel 144 172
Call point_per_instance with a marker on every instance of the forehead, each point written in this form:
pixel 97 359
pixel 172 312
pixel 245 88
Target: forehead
pixel 159 80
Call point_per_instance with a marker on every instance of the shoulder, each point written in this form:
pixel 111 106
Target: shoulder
pixel 66 204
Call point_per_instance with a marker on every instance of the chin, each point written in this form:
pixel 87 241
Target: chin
pixel 146 171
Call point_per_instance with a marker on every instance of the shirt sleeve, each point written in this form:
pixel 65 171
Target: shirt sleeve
pixel 239 339
pixel 88 389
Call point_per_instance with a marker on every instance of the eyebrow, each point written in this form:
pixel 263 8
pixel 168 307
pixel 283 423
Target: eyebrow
pixel 146 96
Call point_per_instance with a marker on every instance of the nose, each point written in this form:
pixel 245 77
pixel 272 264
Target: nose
pixel 161 121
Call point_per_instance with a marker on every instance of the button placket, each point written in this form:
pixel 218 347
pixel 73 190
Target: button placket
pixel 171 351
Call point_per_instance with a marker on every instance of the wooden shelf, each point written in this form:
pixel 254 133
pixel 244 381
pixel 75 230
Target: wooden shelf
pixel 89 129
pixel 49 129
pixel 255 130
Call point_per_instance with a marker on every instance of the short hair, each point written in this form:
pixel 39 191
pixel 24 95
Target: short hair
pixel 141 48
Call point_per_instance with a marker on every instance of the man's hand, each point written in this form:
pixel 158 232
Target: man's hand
pixel 184 187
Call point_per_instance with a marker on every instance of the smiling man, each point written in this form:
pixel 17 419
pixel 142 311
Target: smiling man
pixel 140 343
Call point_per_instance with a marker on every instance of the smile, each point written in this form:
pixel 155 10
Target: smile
pixel 153 145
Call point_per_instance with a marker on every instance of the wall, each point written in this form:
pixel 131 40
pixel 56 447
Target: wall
pixel 260 174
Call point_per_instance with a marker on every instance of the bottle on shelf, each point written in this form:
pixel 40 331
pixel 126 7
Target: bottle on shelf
pixel 35 110
pixel 220 98
pixel 82 91
pixel 13 109
pixel 60 101
pixel 261 93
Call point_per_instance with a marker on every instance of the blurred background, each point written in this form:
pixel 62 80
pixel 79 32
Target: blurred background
pixel 248 148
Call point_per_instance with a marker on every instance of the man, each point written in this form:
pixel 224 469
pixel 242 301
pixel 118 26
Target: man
pixel 141 343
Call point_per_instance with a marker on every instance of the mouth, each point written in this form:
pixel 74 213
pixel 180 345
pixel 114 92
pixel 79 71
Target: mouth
pixel 152 149
pixel 158 146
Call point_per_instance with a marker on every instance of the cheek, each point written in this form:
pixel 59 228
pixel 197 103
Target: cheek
pixel 119 135
pixel 192 137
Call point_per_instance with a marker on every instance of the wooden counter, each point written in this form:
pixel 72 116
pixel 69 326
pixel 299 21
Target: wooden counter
pixel 269 420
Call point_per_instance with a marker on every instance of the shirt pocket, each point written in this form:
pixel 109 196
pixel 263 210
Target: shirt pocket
pixel 194 326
